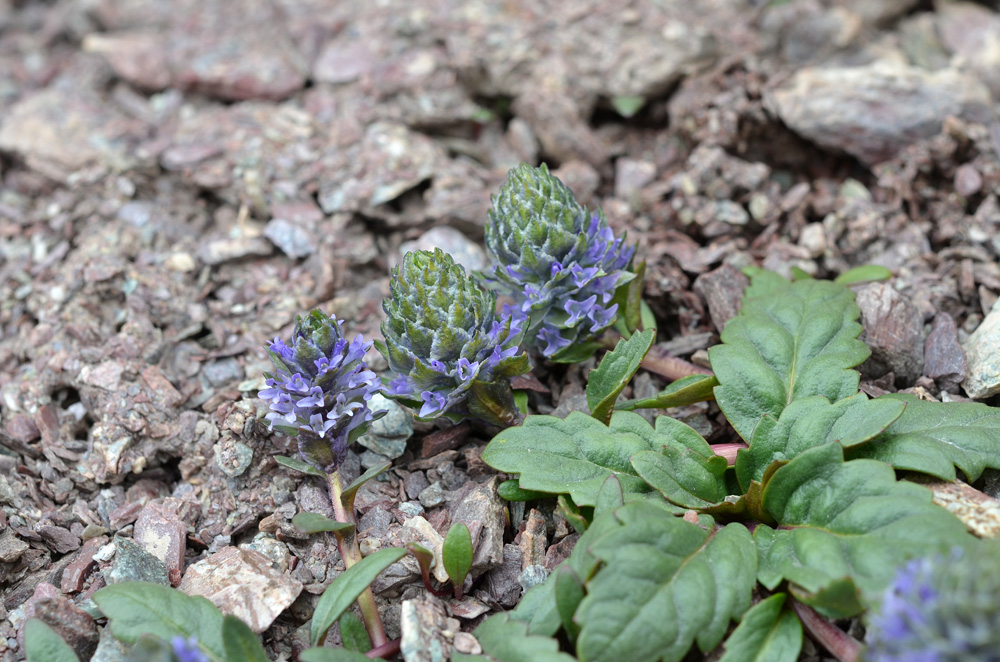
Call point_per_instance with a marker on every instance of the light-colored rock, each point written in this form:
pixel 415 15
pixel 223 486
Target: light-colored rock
pixel 483 512
pixel 432 540
pixel 893 332
pixel 425 629
pixel 874 111
pixel 466 252
pixel 982 351
pixel 388 435
pixel 243 583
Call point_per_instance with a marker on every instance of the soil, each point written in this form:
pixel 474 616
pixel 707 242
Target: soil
pixel 179 180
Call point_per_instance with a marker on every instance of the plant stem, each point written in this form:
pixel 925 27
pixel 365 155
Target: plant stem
pixel 385 650
pixel 671 367
pixel 728 451
pixel 347 544
pixel 841 645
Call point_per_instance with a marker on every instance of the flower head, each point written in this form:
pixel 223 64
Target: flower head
pixel 941 610
pixel 319 390
pixel 443 338
pixel 560 263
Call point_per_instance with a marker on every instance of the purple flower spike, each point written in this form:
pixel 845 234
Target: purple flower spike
pixel 320 389
pixel 560 263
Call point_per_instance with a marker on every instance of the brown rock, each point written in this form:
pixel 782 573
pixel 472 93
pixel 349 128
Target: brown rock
pixel 893 331
pixel 723 291
pixel 43 591
pixel 444 440
pixel 243 583
pixel 161 386
pixel 533 540
pixel 73 624
pixel 944 360
pixel 60 540
pixel 22 428
pixel 483 512
pixel 76 573
pixel 11 547
pixel 161 532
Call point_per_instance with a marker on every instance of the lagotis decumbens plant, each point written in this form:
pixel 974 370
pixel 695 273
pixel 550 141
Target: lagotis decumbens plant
pixel 679 536
pixel 453 356
pixel 320 389
pixel 940 609
pixel 559 263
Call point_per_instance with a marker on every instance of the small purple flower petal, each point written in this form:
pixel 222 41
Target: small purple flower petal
pixel 186 650
pixel 434 404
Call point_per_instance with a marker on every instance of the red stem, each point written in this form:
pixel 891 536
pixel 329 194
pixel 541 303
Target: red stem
pixel 728 451
pixel 671 367
pixel 386 650
pixel 841 645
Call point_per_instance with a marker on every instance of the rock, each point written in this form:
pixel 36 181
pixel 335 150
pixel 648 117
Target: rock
pixel 242 583
pixel 533 539
pixel 972 31
pixel 466 252
pixel 73 624
pixel 11 547
pixel 501 582
pixel 723 292
pixel 428 536
pixel 272 548
pixel 533 575
pixel 978 511
pixel 106 375
pixel 132 563
pixel 43 591
pixel 59 539
pixel 874 111
pixel 432 496
pixel 444 440
pixel 466 643
pixel 893 331
pixel 22 428
pixel 944 360
pixel 982 350
pixel 220 251
pixel 482 510
pixel 424 622
pixel 76 573
pixel 388 435
pixel 223 372
pixel 632 175
pixel 110 649
pixel 293 239
pixel 163 534
pixel 232 457
pixel 879 11
pixel 968 181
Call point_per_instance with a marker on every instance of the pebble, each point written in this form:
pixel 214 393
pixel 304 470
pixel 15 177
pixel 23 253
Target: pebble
pixel 293 239
pixel 893 331
pixel 11 547
pixel 76 573
pixel 272 548
pixel 483 511
pixel 631 176
pixel 388 435
pixel 432 495
pixel 432 540
pixel 466 252
pixel 232 457
pixel 223 372
pixel 220 251
pixel 833 107
pixel 944 360
pixel 723 291
pixel 982 350
pixel 59 539
pixel 532 576
pixel 162 533
pixel 243 583
pixel 423 622
pixel 466 643
pixel 132 563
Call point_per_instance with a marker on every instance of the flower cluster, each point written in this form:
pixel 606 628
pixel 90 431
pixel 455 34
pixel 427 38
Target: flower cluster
pixel 320 389
pixel 186 650
pixel 941 610
pixel 560 263
pixel 444 341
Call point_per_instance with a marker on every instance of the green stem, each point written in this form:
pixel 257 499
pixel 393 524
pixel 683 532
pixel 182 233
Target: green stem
pixel 347 544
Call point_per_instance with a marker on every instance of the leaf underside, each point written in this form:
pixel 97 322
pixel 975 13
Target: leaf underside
pixel 790 341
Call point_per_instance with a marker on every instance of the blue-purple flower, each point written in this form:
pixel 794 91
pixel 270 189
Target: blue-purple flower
pixel 186 650
pixel 451 354
pixel 940 609
pixel 559 263
pixel 320 389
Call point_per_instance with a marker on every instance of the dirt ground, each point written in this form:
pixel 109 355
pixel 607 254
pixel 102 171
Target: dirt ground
pixel 179 179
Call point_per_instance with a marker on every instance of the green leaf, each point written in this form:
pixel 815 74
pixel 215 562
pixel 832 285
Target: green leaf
pixel 493 402
pixel 838 599
pixel 569 593
pixel 315 523
pixel 683 476
pixel 646 317
pixel 332 655
pixel 240 642
pixel 685 391
pixel 571 513
pixel 767 633
pixel 863 274
pixel 511 491
pixel 666 584
pixel 347 496
pixel 576 352
pixel 138 608
pixel 537 609
pixel 610 496
pixel 628 106
pixel 934 437
pixel 847 520
pixel 346 588
pixel 298 465
pixel 43 644
pixel 790 341
pixel 353 633
pixel 576 455
pixel 798 274
pixel 618 366
pixel 507 640
pixel 521 400
pixel 813 422
pixel 456 553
